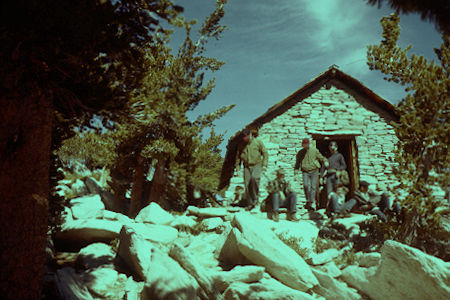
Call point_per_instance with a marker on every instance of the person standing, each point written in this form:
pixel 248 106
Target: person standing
pixel 336 164
pixel 253 155
pixel 281 195
pixel 308 161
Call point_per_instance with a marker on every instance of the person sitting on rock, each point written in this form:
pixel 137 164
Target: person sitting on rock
pixel 337 204
pixel 367 201
pixel 281 195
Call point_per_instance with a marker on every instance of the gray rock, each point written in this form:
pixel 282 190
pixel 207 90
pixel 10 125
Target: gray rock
pixel 155 233
pixel 330 268
pixel 369 259
pixel 262 247
pixel 153 213
pixel 79 188
pixel 323 257
pixel 211 224
pixel 207 212
pixel 92 185
pixel 183 222
pixel 246 274
pixel 105 283
pixel 95 255
pixel 305 232
pixel 331 288
pixel 87 207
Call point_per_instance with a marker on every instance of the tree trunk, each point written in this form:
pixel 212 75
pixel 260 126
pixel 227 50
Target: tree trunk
pixel 25 141
pixel 157 191
pixel 137 190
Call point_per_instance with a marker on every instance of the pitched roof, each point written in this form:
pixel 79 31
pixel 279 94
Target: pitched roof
pixel 334 76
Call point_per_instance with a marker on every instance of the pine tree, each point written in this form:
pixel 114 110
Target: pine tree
pixel 422 155
pixel 60 60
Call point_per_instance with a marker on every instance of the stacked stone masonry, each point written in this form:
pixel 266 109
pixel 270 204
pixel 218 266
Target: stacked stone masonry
pixel 327 110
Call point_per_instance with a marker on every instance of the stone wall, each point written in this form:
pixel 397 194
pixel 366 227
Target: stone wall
pixel 335 111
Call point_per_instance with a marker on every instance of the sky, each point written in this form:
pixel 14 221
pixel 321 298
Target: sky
pixel 273 47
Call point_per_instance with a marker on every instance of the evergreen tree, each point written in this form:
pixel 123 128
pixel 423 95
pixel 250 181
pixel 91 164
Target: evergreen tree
pixel 437 11
pixel 422 155
pixel 60 60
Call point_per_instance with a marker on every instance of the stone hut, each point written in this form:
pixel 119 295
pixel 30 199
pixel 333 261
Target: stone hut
pixel 333 106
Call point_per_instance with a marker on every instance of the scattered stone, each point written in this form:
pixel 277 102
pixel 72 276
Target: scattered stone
pixel 204 246
pixel 79 188
pixel 87 207
pixel 262 247
pixel 71 285
pixel 207 212
pixel 105 283
pixel 92 185
pixel 135 251
pixel 323 257
pixel 331 288
pixel 166 279
pixel 330 268
pixel 192 266
pixel 211 224
pixel 133 289
pixel 229 254
pixel 84 232
pixel 183 222
pixel 304 232
pixel 408 273
pixel 153 213
pixel 246 274
pixel 95 255
pixel 155 233
pixel 267 289
pixel 369 259
pixel 358 277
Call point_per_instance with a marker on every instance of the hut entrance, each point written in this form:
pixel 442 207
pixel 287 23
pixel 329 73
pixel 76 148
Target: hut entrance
pixel 346 146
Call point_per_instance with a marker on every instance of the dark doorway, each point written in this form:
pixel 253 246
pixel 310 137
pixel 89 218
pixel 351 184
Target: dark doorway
pixel 346 146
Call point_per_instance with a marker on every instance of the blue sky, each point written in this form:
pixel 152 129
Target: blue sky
pixel 274 47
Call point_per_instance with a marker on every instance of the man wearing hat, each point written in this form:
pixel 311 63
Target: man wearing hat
pixel 253 155
pixel 337 165
pixel 281 195
pixel 308 160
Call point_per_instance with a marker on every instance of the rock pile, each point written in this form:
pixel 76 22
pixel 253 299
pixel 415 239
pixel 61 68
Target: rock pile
pixel 220 253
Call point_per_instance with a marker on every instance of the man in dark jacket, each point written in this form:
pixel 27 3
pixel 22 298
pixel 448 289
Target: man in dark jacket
pixel 253 155
pixel 281 195
pixel 336 164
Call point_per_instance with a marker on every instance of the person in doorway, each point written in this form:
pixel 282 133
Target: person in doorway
pixel 253 155
pixel 367 201
pixel 309 160
pixel 337 204
pixel 281 195
pixel 336 165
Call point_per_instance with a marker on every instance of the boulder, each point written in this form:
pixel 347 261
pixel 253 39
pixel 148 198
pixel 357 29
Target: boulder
pixel 79 188
pixel 305 232
pixel 211 224
pixel 87 207
pixel 207 212
pixel 408 273
pixel 155 233
pixel 153 213
pixel 105 283
pixel 261 246
pixel 95 255
pixel 229 254
pixel 135 251
pixel 330 268
pixel 183 222
pixel 331 288
pixel 107 199
pixel 92 185
pixel 369 259
pixel 358 277
pixel 204 245
pixel 246 274
pixel 323 257
pixel 352 222
pixel 71 285
pixel 267 289
pixel 192 266
pixel 166 279
pixel 79 233
pixel 133 289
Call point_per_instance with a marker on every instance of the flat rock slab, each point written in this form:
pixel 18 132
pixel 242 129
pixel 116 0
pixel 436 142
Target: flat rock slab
pixel 207 212
pixel 87 207
pixel 260 245
pixel 155 214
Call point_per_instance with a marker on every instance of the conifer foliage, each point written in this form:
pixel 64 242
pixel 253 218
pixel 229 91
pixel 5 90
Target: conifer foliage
pixel 423 130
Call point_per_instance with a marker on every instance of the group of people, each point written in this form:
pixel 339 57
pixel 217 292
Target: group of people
pixel 252 154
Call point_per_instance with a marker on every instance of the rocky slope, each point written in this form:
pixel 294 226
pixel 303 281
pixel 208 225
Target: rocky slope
pixel 224 253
